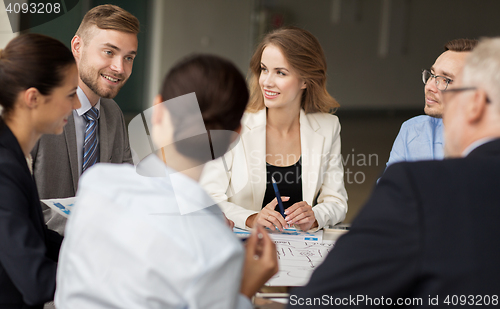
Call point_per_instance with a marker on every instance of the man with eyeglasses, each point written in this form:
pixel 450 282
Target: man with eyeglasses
pixel 427 237
pixel 421 137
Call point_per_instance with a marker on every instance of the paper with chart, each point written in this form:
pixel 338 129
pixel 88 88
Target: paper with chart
pixel 297 260
pixel 62 206
pixel 293 234
pixel 290 234
pixel 241 233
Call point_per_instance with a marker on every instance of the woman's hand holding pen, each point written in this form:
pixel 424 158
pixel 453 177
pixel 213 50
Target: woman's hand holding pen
pixel 261 262
pixel 269 217
pixel 301 214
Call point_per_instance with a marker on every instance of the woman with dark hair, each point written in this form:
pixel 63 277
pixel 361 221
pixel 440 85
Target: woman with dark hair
pixel 157 239
pixel 38 79
pixel 288 134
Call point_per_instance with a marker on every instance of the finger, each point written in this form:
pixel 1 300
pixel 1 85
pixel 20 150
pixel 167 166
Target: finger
pixel 300 210
pixel 277 219
pixel 283 199
pixel 262 221
pixel 251 245
pixel 259 248
pixel 298 218
pixel 265 241
pixel 269 254
pixel 272 204
pixel 265 219
pixel 305 220
pixel 292 208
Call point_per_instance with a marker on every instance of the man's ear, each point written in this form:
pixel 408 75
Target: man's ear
pixel 77 47
pixel 476 109
pixel 32 98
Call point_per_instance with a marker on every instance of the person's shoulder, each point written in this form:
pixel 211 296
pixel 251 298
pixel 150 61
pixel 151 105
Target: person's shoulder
pixel 110 104
pixel 324 122
pixel 123 176
pixel 421 120
pixel 6 156
pixel 9 163
pixel 425 168
pixel 251 120
pixel 10 167
pixel 419 127
pixel 107 174
pixel 323 117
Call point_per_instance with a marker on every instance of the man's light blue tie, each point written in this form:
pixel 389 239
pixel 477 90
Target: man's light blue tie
pixel 90 149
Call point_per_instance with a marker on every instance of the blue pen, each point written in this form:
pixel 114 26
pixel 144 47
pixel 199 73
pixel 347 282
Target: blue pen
pixel 278 197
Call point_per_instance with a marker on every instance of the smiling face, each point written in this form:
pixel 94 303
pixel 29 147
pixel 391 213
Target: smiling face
pixel 52 113
pixel 280 85
pixel 448 64
pixel 105 61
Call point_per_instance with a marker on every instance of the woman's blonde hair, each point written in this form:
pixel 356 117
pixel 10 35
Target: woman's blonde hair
pixel 303 52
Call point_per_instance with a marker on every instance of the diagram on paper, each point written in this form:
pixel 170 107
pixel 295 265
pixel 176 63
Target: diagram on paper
pixel 63 206
pixel 297 260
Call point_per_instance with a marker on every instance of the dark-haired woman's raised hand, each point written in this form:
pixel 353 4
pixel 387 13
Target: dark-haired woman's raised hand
pixel 261 262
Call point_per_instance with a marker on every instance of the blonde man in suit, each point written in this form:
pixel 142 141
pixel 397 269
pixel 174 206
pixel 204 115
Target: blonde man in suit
pixel 287 134
pixel 104 48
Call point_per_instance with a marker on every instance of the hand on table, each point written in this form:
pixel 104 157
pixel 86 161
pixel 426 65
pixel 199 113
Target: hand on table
pixel 301 214
pixel 269 217
pixel 261 262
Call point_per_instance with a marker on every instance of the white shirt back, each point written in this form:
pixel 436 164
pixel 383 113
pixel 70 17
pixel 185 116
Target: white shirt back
pixel 128 246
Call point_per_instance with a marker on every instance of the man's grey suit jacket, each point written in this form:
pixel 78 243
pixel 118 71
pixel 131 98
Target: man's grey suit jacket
pixel 55 161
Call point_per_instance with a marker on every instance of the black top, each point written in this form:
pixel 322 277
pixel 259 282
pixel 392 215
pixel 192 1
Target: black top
pixel 289 181
pixel 28 250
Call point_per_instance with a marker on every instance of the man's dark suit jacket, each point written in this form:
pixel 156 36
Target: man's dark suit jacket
pixel 430 229
pixel 28 250
pixel 55 161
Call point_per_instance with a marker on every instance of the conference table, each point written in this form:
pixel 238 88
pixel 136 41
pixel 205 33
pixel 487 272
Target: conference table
pixel 276 297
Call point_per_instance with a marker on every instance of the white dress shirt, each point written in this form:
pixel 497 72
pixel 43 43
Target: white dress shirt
pixel 81 125
pixel 127 245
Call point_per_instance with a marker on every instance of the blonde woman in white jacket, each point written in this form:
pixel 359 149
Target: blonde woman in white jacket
pixel 288 133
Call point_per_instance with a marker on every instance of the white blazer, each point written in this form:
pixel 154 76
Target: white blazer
pixel 237 181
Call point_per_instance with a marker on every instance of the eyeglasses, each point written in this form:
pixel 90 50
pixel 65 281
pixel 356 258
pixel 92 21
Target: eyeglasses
pixel 463 89
pixel 441 81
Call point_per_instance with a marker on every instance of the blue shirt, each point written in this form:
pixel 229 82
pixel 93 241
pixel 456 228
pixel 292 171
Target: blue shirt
pixel 420 138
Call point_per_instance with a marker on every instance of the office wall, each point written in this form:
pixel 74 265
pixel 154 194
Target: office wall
pixel 5 30
pixel 221 27
pixel 350 32
pixel 358 76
